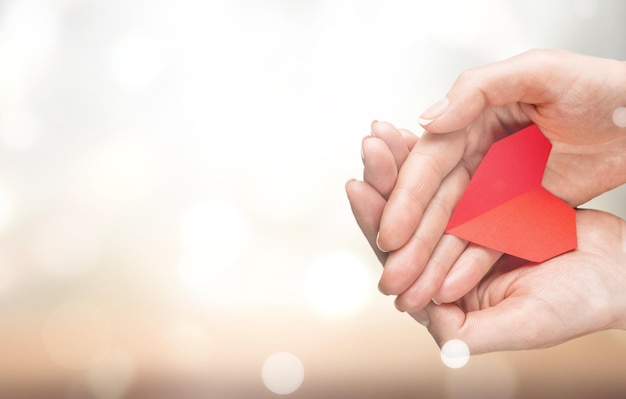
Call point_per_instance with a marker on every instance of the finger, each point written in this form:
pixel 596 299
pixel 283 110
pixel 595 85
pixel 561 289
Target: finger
pixel 379 169
pixel 405 265
pixel 430 161
pixel 367 206
pixel 500 271
pixel 526 78
pixel 429 282
pixel 510 81
pixel 410 139
pixel 394 140
pixel 505 326
pixel 473 264
pixel 383 153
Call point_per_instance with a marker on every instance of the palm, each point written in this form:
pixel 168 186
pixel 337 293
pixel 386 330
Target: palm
pixel 543 305
pixel 584 156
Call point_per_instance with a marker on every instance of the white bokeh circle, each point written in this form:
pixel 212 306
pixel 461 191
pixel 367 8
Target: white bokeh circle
pixel 217 227
pixel 619 116
pixel 282 373
pixel 338 283
pixel 455 353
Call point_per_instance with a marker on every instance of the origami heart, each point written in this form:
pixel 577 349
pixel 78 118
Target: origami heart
pixel 505 207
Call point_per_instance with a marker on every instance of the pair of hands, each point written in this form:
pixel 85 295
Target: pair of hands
pixel 411 186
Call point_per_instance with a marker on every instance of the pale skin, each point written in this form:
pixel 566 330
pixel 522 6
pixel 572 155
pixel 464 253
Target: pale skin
pixel 571 98
pixel 524 307
pixel 516 306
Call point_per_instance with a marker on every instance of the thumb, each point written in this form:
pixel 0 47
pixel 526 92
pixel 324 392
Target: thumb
pixel 523 79
pixel 510 325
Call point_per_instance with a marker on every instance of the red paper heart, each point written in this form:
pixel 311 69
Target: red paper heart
pixel 505 207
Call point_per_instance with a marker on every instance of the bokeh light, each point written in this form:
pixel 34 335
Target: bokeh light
pixel 120 170
pixel 282 373
pixel 11 274
pixel 76 334
pixel 137 61
pixel 619 116
pixel 171 192
pixel 455 353
pixel 195 269
pixel 217 227
pixel 34 24
pixel 7 206
pixel 338 283
pixel 188 347
pixel 19 130
pixel 215 239
pixel 209 282
pixel 111 375
pixel 64 245
pixel 29 32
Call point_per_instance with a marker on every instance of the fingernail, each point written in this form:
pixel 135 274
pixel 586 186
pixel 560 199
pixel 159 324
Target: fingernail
pixel 434 112
pixel 375 121
pixel 363 145
pixel 421 317
pixel 436 302
pixel 349 181
pixel 378 245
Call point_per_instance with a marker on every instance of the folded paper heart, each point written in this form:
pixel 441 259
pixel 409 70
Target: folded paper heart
pixel 505 207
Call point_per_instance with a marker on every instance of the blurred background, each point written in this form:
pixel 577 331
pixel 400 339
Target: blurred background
pixel 173 222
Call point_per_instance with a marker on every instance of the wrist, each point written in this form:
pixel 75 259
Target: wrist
pixel 619 113
pixel 618 116
pixel 621 301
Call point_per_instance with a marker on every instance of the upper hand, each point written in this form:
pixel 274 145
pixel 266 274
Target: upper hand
pixel 570 97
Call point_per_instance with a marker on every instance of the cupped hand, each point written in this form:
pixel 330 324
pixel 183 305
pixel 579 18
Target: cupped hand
pixel 541 305
pixel 518 305
pixel 571 97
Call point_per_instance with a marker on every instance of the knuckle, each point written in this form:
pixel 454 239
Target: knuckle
pixel 469 76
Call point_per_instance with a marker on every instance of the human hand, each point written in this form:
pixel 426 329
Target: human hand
pixel 518 305
pixel 383 153
pixel 570 97
pixel 536 306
